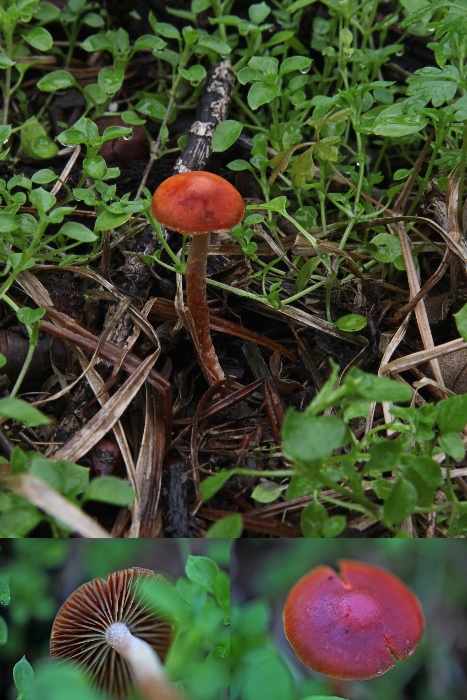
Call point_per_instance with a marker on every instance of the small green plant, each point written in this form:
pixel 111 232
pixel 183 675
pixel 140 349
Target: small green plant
pixel 387 480
pixel 199 608
pixel 23 675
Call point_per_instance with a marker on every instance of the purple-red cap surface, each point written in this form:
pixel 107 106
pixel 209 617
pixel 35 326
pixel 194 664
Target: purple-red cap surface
pixel 353 625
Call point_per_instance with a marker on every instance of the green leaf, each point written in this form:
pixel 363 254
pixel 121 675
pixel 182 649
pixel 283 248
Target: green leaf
pixel 262 94
pixel 401 502
pixel 3 631
pixel 452 414
pixel 229 527
pixel 453 445
pixel 203 571
pixel 326 148
pixel 78 232
pixel 115 132
pixel 39 38
pixel 167 30
pixel 333 526
pixel 426 468
pixel 266 675
pixel 55 682
pixel 19 520
pixel 374 388
pixel 225 135
pixel 385 248
pixel 29 316
pixel 461 322
pixel 57 80
pixel 307 438
pixel 8 222
pixel 94 95
pixel 95 168
pixel 198 6
pixel 312 519
pixel 194 74
pixel 151 107
pixel 434 85
pixel 5 62
pixel 130 117
pixel 63 476
pixel 92 19
pixel 5 132
pixel 43 176
pixel 164 599
pixel 42 200
pixel 213 43
pixel 110 489
pixel 351 323
pixel 108 220
pixel 110 80
pixel 239 165
pixel 210 486
pixel 398 125
pixel 149 41
pixel 294 63
pixel 267 491
pixel 97 42
pixel 258 12
pixel 20 410
pixel 57 215
pixel 35 142
pixel 4 592
pixel 23 676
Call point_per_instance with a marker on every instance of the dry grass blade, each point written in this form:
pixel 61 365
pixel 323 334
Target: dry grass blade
pixel 149 472
pixel 36 290
pixel 104 420
pixel 50 501
pixel 72 332
pixel 404 363
pixel 412 276
pixel 320 324
pixel 97 385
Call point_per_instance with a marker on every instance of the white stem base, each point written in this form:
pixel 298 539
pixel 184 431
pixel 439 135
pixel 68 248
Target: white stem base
pixel 146 667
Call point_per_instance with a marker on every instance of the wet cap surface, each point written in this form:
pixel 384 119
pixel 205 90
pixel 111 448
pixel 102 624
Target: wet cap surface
pixel 197 202
pixel 352 625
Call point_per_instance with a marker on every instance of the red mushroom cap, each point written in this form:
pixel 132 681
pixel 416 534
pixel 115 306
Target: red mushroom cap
pixel 352 626
pixel 197 202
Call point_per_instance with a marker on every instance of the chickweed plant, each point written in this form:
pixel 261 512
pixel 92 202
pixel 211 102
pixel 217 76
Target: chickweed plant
pixel 340 132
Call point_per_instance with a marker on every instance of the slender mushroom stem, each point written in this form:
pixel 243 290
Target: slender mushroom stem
pixel 145 665
pixel 198 306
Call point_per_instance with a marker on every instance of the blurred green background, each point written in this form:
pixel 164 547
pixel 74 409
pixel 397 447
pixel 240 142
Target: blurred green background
pixel 42 573
pixel 264 664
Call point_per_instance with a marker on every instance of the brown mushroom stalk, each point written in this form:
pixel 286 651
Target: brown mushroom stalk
pixel 197 302
pixel 197 203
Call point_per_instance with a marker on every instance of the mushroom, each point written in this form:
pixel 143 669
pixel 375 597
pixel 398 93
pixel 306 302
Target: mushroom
pixel 354 625
pixel 195 204
pixel 108 628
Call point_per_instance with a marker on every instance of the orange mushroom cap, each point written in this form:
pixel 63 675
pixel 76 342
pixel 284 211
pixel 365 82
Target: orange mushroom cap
pixel 79 628
pixel 352 626
pixel 197 202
